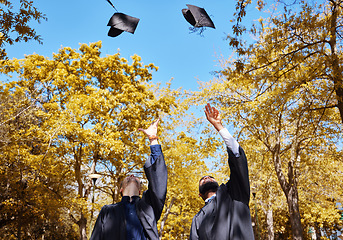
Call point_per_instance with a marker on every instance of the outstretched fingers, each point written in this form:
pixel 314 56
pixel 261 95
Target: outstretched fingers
pixel 213 116
pixel 208 110
pixel 215 112
pixel 155 123
pixel 211 112
pixel 152 129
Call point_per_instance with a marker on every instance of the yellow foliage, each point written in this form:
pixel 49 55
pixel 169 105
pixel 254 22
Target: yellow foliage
pixel 86 111
pixel 17 22
pixel 283 95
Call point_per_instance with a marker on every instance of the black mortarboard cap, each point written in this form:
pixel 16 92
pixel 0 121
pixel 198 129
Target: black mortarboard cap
pixel 197 16
pixel 121 22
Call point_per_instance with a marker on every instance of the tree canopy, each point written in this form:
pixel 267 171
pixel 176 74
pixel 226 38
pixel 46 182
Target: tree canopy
pixel 77 113
pixel 303 37
pixel 282 91
pixel 15 21
pixel 86 110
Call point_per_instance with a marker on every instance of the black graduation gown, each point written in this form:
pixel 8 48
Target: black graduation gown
pixel 227 215
pixel 111 224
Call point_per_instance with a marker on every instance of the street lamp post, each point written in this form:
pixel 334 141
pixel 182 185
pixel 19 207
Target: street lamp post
pixel 94 177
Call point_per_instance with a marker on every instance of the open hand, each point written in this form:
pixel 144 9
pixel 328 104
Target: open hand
pixel 213 116
pixel 152 129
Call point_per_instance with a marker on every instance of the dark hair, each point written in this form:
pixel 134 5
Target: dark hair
pixel 205 176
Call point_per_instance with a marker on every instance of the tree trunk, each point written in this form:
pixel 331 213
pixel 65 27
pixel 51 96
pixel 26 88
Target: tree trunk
pixel 317 231
pixel 292 194
pixel 335 62
pixel 83 227
pixel 270 223
pixel 83 190
pixel 294 213
pixel 290 189
pixel 19 225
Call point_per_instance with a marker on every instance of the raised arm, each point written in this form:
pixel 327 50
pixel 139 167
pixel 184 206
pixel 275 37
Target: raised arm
pixel 156 172
pixel 238 185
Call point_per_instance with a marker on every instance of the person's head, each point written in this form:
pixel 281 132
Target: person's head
pixel 207 185
pixel 130 186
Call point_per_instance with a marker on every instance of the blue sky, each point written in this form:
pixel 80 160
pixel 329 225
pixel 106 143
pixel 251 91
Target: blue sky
pixel 162 36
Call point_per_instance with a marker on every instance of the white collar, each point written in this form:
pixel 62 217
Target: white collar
pixel 210 198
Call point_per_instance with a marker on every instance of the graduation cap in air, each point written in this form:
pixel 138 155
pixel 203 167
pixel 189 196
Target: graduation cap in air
pixel 121 22
pixel 197 16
